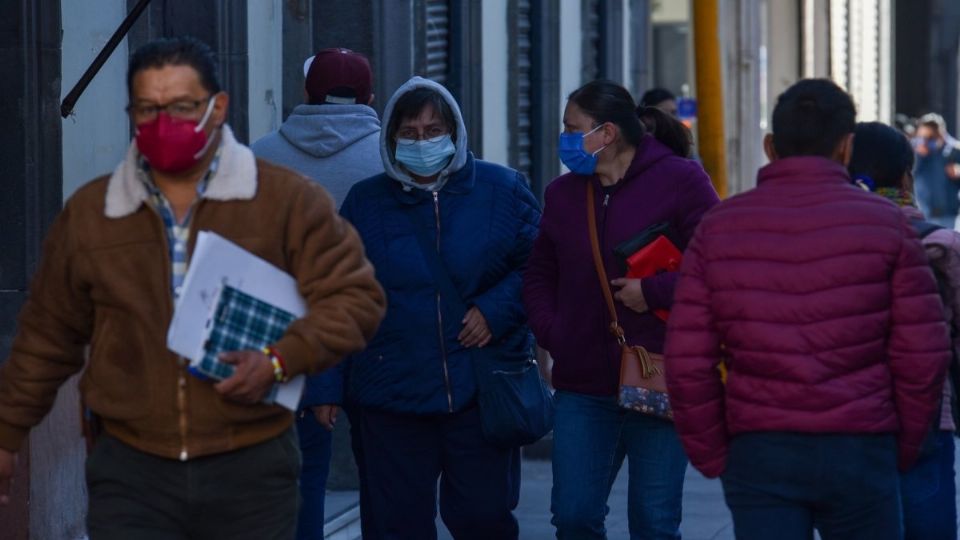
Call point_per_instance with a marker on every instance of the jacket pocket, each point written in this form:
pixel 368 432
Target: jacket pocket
pixel 117 383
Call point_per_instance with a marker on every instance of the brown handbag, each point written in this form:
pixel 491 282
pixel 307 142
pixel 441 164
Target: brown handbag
pixel 643 387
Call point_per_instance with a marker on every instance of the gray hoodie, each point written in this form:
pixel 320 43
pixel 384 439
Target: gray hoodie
pixel 336 145
pixel 459 159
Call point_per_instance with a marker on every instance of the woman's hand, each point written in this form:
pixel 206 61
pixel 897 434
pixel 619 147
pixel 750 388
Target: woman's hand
pixel 630 294
pixel 475 331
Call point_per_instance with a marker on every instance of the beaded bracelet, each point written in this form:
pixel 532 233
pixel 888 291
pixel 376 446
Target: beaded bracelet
pixel 279 368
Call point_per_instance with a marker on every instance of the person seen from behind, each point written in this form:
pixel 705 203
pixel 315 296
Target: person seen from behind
pixel 639 181
pixel 329 139
pixel 817 298
pixel 882 162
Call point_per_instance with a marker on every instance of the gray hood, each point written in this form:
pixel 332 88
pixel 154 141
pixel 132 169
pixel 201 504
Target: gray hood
pixel 324 130
pixel 459 159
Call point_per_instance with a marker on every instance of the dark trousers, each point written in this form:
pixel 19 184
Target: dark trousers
pixel 783 485
pixel 250 493
pixel 929 493
pixel 315 447
pixel 402 458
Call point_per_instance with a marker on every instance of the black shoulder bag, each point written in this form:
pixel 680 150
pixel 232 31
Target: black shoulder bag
pixel 516 408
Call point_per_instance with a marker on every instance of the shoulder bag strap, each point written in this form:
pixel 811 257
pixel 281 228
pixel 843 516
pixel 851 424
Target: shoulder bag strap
pixel 615 327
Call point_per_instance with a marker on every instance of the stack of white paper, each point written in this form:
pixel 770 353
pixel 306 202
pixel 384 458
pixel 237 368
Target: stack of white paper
pixel 217 261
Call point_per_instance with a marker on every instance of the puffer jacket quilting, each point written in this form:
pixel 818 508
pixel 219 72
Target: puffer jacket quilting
pixel 819 298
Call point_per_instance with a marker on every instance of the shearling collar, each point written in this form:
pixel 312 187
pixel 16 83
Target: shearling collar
pixel 235 178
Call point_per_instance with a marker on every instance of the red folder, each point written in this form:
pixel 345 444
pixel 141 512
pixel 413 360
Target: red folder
pixel 660 255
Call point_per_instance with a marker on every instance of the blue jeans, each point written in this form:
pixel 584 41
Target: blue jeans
pixel 783 485
pixel 929 494
pixel 315 441
pixel 591 437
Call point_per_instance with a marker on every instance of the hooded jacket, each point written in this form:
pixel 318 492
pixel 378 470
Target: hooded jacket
pixel 335 145
pixel 482 218
pixel 819 299
pixel 561 289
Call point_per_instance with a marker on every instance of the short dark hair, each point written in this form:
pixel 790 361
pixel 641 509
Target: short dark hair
pixel 412 103
pixel 606 101
pixel 176 51
pixel 667 129
pixel 655 96
pixel 811 118
pixel 881 153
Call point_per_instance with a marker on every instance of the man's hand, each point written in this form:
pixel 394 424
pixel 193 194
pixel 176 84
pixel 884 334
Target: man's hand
pixel 326 415
pixel 7 462
pixel 630 294
pixel 475 331
pixel 953 171
pixel 251 380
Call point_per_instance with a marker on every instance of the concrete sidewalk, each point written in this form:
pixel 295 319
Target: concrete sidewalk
pixel 705 517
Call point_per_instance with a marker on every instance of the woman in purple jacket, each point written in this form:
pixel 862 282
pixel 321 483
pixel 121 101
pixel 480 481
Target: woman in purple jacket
pixel 640 182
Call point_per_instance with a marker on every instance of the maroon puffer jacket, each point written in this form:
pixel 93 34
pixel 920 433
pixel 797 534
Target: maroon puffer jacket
pixel 818 297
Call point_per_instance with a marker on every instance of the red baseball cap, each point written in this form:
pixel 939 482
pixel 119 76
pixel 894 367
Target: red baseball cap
pixel 338 76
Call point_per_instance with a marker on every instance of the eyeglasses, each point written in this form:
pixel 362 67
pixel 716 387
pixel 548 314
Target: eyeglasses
pixel 183 109
pixel 411 135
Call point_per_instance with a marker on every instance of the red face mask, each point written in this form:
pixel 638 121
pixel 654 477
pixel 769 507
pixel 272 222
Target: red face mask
pixel 173 145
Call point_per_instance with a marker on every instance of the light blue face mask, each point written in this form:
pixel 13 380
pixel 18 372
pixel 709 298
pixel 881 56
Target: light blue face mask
pixel 426 157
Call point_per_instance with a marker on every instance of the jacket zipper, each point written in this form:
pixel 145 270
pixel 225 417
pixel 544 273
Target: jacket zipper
pixel 182 402
pixel 181 378
pixel 443 347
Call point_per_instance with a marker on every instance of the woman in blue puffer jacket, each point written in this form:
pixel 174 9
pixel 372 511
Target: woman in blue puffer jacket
pixel 412 392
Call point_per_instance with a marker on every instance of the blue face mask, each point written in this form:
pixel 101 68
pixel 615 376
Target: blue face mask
pixel 574 156
pixel 426 157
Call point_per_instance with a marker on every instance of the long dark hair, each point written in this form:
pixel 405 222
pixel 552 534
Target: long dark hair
pixel 667 129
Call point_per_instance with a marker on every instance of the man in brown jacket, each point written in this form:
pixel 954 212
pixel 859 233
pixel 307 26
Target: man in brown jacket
pixel 182 457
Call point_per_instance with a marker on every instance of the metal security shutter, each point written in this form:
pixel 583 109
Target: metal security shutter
pixel 592 45
pixel 433 40
pixel 520 109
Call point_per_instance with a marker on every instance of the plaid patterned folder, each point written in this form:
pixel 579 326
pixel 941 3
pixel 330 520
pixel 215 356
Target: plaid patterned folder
pixel 241 322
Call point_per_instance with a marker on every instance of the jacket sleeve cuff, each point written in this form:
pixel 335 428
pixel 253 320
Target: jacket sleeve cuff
pixel 299 359
pixel 489 309
pixel 714 467
pixel 12 437
pixel 323 389
pixel 658 289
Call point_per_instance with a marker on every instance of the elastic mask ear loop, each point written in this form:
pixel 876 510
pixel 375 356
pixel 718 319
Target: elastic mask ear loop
pixel 602 147
pixel 203 122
